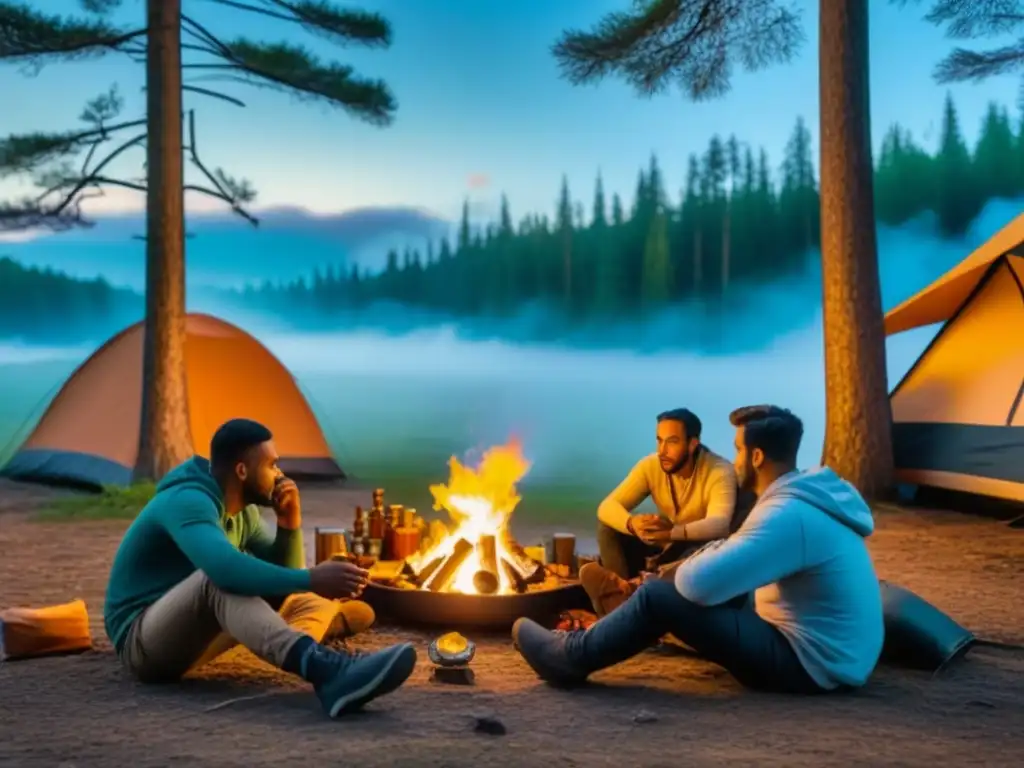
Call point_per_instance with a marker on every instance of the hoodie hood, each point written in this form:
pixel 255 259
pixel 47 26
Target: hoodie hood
pixel 824 489
pixel 193 474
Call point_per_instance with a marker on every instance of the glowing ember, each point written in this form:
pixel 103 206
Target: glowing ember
pixel 480 503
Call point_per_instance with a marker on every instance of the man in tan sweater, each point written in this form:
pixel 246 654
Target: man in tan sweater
pixel 694 491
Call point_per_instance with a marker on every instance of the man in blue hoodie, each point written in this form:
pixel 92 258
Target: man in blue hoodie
pixel 815 623
pixel 196 571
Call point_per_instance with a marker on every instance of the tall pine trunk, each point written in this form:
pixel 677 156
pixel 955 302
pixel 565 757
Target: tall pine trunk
pixel 165 439
pixel 858 419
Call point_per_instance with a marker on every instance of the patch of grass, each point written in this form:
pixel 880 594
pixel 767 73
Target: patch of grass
pixel 112 503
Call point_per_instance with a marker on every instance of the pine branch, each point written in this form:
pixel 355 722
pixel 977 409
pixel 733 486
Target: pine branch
pixel 27 34
pixel 325 19
pixel 214 94
pixel 234 192
pixel 24 153
pixel 295 70
pixel 970 19
pixel 963 65
pixel 693 42
pixel 99 6
pixel 59 206
pixel 340 26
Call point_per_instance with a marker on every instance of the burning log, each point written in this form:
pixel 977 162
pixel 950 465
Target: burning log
pixel 518 582
pixel 486 579
pixel 529 570
pixel 442 578
pixel 420 577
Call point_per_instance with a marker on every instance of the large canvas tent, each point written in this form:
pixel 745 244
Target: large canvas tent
pixel 958 416
pixel 89 433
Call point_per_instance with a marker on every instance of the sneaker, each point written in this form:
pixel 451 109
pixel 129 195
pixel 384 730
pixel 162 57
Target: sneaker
pixel 362 678
pixel 606 590
pixel 545 652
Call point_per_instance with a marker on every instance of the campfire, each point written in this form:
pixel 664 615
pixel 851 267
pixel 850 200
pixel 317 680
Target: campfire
pixel 468 570
pixel 476 553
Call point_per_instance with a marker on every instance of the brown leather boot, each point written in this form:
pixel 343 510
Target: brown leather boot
pixel 606 590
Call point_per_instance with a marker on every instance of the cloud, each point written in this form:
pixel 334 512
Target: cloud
pixel 478 181
pixel 21 236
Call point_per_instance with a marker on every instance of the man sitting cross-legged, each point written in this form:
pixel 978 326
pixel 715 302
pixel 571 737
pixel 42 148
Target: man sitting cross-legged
pixel 694 491
pixel 816 622
pixel 197 573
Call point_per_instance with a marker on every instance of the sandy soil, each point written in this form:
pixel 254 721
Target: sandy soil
pixel 83 711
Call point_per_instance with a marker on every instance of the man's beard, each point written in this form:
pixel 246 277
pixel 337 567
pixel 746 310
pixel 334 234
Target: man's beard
pixel 680 463
pixel 253 495
pixel 746 476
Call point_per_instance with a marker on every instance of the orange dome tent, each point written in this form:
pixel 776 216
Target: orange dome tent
pixel 89 433
pixel 957 413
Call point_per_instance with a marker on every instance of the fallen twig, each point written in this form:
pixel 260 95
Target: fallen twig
pixel 239 699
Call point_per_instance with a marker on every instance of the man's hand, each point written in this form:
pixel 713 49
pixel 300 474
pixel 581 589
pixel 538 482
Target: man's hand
pixel 666 535
pixel 286 504
pixel 335 579
pixel 647 527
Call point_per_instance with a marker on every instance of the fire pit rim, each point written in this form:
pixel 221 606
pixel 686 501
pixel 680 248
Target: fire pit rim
pixel 459 609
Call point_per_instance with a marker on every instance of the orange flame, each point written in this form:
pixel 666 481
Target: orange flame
pixel 479 502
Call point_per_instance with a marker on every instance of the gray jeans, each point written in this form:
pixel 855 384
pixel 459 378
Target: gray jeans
pixel 195 622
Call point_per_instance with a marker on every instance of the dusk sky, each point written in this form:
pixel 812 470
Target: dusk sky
pixel 482 109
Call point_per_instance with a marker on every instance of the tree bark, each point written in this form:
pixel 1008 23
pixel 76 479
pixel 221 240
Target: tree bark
pixel 858 418
pixel 165 439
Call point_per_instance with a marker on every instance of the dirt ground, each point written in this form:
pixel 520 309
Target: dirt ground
pixel 82 710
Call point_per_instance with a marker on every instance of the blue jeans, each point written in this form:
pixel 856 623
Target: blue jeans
pixel 736 638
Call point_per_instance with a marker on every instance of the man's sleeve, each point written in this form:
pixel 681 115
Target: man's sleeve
pixel 721 505
pixel 284 548
pixel 769 547
pixel 615 509
pixel 196 530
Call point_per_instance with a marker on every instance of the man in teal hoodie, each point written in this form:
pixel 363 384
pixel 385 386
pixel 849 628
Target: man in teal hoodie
pixel 815 623
pixel 196 566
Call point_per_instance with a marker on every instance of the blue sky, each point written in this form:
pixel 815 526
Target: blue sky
pixel 482 109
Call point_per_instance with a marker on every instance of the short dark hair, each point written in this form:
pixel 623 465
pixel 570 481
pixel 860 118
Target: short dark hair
pixel 686 417
pixel 231 441
pixel 776 431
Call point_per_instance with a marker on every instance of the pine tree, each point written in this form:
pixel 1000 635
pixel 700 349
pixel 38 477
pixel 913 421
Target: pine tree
pixel 995 145
pixel 697 44
pixel 656 280
pixel 30 36
pixel 607 277
pixel 957 202
pixel 565 237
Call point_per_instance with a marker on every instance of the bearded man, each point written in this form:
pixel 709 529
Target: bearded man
pixel 197 573
pixel 816 621
pixel 694 492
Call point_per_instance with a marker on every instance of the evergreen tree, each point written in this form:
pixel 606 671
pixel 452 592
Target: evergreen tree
pixel 565 238
pixel 957 202
pixel 33 37
pixel 696 44
pixel 656 281
pixel 995 145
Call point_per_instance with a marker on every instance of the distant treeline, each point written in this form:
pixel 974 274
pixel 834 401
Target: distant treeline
pixel 736 222
pixel 45 305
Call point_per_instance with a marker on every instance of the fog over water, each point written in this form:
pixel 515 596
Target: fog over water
pixel 584 415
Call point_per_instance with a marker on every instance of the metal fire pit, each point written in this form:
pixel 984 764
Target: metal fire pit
pixel 453 609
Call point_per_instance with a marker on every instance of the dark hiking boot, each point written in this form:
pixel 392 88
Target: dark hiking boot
pixel 547 653
pixel 360 678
